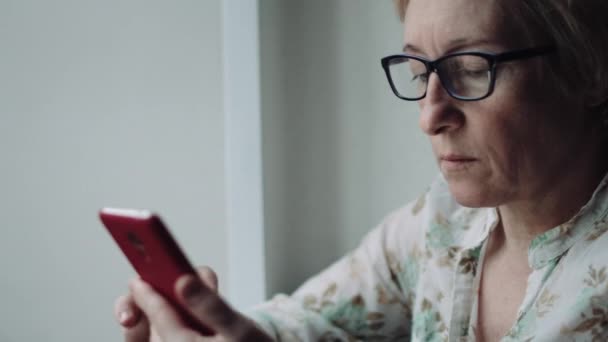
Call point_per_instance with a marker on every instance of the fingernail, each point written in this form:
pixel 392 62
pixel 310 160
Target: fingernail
pixel 124 317
pixel 192 290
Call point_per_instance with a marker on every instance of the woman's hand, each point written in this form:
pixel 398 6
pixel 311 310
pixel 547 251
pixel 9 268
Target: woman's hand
pixel 148 317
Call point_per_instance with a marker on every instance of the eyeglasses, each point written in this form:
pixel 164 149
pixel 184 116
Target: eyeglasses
pixel 466 76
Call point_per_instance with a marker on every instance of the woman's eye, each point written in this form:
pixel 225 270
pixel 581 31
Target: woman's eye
pixel 475 72
pixel 470 71
pixel 421 78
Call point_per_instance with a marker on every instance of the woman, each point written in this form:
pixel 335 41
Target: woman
pixel 508 244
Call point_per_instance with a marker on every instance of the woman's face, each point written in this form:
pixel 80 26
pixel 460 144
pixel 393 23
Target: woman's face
pixel 511 146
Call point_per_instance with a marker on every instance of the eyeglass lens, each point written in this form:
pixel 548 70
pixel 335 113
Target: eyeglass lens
pixel 464 76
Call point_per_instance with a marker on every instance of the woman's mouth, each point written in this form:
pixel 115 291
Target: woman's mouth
pixel 454 162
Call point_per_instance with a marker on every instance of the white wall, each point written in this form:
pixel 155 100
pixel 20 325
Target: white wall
pixel 120 103
pixel 115 102
pixel 340 151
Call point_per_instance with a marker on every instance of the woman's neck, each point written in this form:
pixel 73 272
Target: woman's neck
pixel 523 220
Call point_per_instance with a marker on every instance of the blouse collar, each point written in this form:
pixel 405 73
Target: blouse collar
pixel 589 222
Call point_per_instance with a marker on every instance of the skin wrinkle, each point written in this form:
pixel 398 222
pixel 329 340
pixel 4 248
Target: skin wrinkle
pixel 456 45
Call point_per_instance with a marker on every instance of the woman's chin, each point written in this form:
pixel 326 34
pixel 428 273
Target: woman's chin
pixel 472 194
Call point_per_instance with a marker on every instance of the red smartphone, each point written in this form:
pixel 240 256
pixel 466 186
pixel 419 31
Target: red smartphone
pixel 153 253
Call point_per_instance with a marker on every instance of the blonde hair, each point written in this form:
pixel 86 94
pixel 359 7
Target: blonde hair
pixel 578 28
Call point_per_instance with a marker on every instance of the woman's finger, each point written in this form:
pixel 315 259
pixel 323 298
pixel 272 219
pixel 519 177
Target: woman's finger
pixel 139 332
pixel 208 276
pixel 126 312
pixel 154 336
pixel 211 310
pixel 159 311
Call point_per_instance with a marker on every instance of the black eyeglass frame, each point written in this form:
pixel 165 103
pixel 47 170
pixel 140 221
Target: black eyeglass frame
pixel 492 59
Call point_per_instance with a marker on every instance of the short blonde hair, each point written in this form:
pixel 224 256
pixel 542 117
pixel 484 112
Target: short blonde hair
pixel 579 29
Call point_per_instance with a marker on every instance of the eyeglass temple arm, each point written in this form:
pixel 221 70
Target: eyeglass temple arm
pixel 525 53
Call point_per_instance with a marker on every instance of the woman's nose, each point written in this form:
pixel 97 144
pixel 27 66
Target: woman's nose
pixel 438 112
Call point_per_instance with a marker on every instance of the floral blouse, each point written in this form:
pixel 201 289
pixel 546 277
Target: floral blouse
pixel 416 277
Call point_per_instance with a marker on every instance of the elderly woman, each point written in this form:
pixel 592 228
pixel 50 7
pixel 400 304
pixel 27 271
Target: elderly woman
pixel 509 243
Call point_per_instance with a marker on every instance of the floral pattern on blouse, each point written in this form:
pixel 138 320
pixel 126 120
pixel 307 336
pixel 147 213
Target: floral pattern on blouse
pixel 416 278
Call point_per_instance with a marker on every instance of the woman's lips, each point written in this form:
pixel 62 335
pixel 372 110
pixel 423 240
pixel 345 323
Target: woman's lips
pixel 453 162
